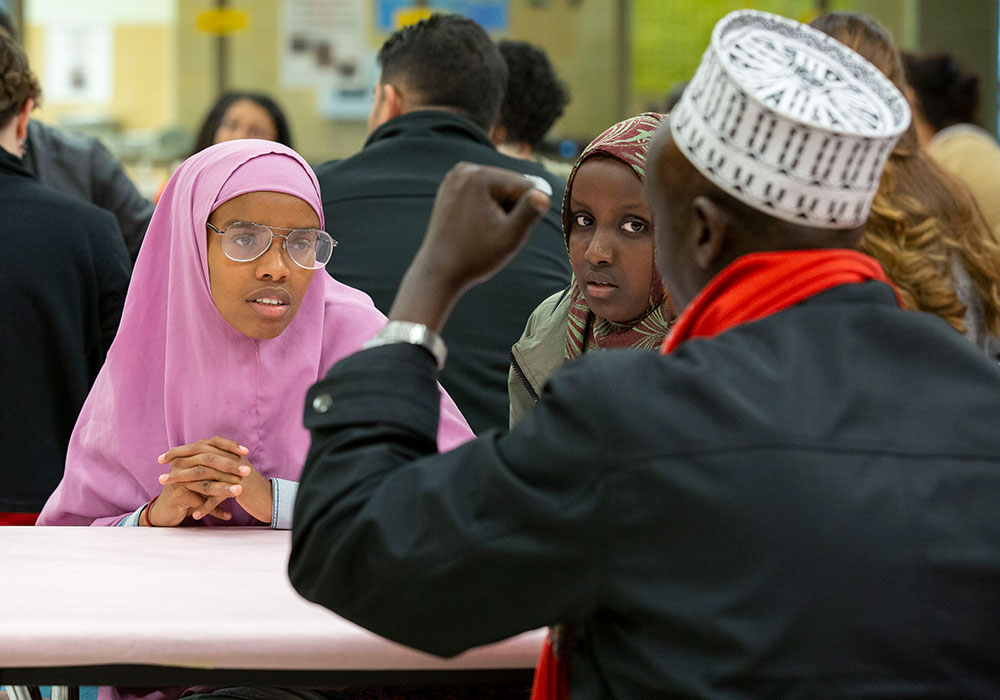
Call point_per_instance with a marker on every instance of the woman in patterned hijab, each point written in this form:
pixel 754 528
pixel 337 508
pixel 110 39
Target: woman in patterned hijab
pixel 616 298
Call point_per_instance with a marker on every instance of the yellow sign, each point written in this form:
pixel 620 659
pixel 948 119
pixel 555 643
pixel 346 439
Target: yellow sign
pixel 404 18
pixel 223 21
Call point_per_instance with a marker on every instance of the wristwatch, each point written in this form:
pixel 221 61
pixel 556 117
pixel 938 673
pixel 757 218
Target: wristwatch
pixel 415 333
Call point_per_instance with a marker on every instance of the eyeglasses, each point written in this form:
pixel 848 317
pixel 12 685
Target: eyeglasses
pixel 244 241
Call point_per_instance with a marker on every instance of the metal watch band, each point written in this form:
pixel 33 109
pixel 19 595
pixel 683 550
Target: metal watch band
pixel 415 333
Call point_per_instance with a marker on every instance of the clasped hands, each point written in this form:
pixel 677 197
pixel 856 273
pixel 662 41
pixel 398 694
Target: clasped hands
pixel 202 475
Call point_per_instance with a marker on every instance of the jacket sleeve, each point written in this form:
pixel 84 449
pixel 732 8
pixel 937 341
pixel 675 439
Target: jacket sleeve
pixel 505 530
pixel 114 191
pixel 113 272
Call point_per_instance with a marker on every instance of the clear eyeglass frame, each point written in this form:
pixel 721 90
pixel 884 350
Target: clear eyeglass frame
pixel 323 241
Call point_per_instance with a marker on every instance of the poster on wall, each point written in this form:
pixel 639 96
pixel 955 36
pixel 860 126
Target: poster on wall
pixel 491 15
pixel 323 47
pixel 79 62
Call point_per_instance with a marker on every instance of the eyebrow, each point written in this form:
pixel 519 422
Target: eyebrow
pixel 634 204
pixel 317 227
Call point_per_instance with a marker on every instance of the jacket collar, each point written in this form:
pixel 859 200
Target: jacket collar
pixel 430 123
pixel 9 163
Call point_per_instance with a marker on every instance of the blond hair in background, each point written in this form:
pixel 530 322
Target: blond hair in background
pixel 924 228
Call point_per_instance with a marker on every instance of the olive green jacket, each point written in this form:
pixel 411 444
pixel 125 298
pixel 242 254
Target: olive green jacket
pixel 538 353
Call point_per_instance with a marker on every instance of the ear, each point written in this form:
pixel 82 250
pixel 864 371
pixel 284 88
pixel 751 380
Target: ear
pixel 711 232
pixel 498 134
pixel 22 118
pixel 388 104
pixel 392 101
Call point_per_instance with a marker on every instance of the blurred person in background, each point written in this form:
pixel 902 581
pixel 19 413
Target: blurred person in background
pixel 945 99
pixel 438 96
pixel 63 288
pixel 243 115
pixel 924 227
pixel 674 96
pixel 82 166
pixel 534 99
pixel 240 114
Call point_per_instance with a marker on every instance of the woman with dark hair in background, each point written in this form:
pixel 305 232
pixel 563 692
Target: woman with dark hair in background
pixel 944 100
pixel 243 115
pixel 924 226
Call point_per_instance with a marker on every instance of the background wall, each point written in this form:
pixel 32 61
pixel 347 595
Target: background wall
pixel 618 57
pixel 143 36
pixel 968 29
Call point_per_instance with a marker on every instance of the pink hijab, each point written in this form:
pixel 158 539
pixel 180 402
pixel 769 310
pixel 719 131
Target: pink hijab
pixel 178 372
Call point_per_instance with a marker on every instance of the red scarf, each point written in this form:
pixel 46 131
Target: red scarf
pixel 760 284
pixel 748 289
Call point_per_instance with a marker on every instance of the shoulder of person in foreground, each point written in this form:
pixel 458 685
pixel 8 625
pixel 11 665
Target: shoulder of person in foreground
pixel 351 320
pixel 433 520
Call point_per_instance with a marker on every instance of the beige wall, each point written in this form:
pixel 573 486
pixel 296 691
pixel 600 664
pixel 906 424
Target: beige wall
pixel 254 65
pixel 580 40
pixel 165 72
pixel 576 36
pixel 144 89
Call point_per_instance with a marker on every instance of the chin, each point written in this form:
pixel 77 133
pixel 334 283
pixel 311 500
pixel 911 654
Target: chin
pixel 612 313
pixel 260 332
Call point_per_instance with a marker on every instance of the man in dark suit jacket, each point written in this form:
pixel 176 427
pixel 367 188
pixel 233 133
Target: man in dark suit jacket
pixel 63 288
pixel 797 501
pixel 439 93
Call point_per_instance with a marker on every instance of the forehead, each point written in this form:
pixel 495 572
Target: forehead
pixel 272 208
pixel 605 171
pixel 247 108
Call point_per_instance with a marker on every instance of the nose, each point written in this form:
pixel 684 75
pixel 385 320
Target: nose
pixel 600 248
pixel 274 264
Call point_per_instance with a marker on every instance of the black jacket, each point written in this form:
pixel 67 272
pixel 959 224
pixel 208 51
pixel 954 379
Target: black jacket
pixel 81 166
pixel 63 285
pixel 377 204
pixel 801 507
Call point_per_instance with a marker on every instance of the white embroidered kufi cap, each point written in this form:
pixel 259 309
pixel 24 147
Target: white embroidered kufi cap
pixel 789 120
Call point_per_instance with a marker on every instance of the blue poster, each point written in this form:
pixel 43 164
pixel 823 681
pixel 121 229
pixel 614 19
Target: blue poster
pixel 491 15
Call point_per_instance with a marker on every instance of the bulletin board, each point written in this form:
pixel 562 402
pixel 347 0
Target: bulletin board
pixel 669 38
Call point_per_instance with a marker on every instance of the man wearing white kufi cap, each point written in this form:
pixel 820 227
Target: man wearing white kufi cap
pixel 798 499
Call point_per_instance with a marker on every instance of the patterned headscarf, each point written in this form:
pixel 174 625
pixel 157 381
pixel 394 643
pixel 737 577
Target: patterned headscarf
pixel 627 141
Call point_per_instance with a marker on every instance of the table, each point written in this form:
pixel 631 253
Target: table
pixel 196 606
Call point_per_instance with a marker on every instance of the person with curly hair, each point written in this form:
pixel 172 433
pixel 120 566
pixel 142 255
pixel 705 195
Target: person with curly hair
pixel 925 227
pixel 534 99
pixel 945 99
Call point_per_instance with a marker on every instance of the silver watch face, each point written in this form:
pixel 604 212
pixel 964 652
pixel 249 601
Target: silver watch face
pixel 540 183
pixel 415 333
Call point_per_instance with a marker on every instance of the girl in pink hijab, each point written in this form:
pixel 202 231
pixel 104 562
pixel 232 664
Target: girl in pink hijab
pixel 196 415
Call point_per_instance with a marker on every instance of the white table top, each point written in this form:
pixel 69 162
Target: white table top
pixel 189 597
